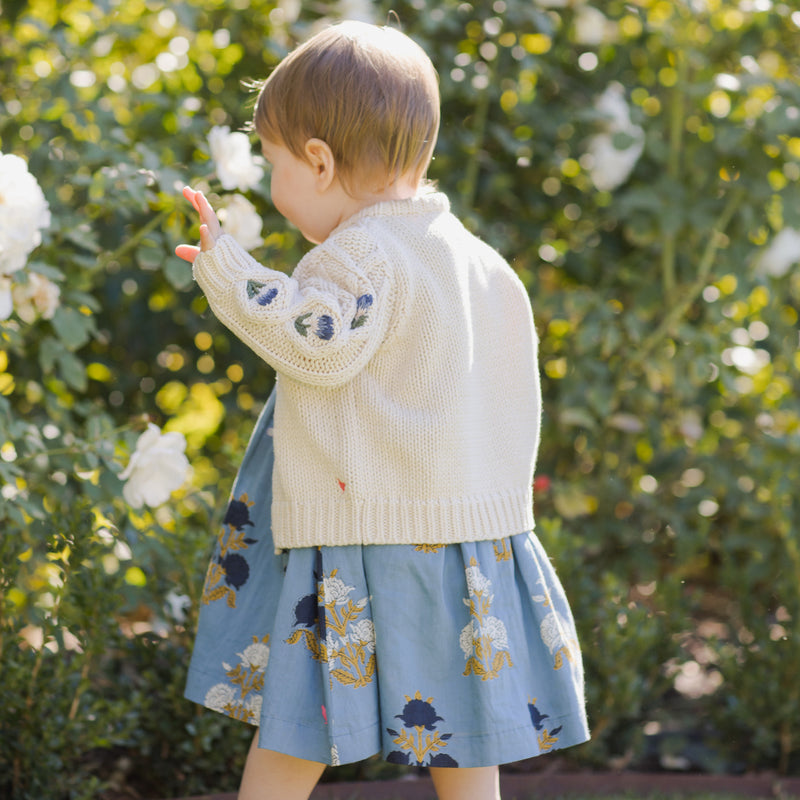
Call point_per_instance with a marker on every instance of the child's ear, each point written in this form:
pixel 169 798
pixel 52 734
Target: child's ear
pixel 320 157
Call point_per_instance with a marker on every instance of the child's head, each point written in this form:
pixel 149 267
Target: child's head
pixel 369 92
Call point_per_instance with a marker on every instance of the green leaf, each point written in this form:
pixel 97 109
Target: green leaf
pixel 49 351
pixel 72 370
pixel 72 327
pixel 178 272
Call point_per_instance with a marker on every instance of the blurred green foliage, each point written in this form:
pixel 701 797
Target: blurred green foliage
pixel 669 356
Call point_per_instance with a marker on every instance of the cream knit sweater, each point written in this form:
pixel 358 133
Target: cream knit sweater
pixel 408 403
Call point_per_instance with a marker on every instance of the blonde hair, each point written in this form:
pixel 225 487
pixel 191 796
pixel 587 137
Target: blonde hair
pixel 369 92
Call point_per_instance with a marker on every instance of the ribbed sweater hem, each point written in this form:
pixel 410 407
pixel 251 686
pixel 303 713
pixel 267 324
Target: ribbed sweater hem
pixel 398 521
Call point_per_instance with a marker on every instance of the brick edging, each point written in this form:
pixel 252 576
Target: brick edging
pixel 585 784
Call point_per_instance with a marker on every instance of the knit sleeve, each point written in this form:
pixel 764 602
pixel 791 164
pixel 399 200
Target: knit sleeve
pixel 321 325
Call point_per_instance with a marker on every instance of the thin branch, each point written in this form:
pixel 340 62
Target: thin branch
pixel 715 240
pixel 676 123
pixel 133 242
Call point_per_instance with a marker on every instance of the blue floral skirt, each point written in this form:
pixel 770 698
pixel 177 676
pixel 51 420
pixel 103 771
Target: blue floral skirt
pixel 459 655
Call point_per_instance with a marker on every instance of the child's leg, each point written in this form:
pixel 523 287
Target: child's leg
pixel 466 783
pixel 274 776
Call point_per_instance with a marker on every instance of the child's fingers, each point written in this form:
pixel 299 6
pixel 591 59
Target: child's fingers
pixel 191 195
pixel 207 214
pixel 188 252
pixel 207 239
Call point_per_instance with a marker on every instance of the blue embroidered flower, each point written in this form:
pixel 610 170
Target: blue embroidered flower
pixel 267 297
pixel 547 738
pixel 418 712
pixel 236 569
pixel 237 515
pixel 537 718
pixel 325 327
pixel 305 612
pixel 442 760
pixel 416 747
pixel 362 304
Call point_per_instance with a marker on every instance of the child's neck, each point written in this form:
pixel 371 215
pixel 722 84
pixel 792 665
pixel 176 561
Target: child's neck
pixel 403 188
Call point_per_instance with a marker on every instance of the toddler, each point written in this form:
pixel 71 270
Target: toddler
pixel 377 586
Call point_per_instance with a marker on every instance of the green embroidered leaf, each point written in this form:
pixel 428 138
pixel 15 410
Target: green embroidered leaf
pixel 253 288
pixel 358 322
pixel 300 324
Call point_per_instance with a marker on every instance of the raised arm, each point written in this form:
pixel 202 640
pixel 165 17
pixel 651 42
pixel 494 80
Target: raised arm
pixel 321 326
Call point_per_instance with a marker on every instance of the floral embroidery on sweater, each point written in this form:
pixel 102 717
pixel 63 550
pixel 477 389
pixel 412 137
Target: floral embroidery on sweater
pixel 324 329
pixel 262 298
pixel 362 304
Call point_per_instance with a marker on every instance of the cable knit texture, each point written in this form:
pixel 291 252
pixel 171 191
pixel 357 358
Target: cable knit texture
pixel 408 401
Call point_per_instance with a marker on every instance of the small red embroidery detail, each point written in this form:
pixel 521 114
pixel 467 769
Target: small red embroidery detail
pixel 324 714
pixel 341 484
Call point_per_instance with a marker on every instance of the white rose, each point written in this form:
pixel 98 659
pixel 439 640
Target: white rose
pixel 240 219
pixel 495 629
pixel 23 213
pixel 157 468
pixel 611 166
pixel 255 655
pixel 220 697
pixel 6 300
pixel 363 632
pixel 235 165
pixel 783 251
pixel 593 28
pixel 466 640
pixel 253 705
pixel 38 296
pixel 477 582
pixel 335 590
pixel 176 605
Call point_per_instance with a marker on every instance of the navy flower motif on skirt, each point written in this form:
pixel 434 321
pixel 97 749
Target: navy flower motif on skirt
pixel 229 570
pixel 547 739
pixel 415 744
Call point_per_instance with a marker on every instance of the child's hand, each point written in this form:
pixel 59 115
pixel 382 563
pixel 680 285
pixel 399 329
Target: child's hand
pixel 209 226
